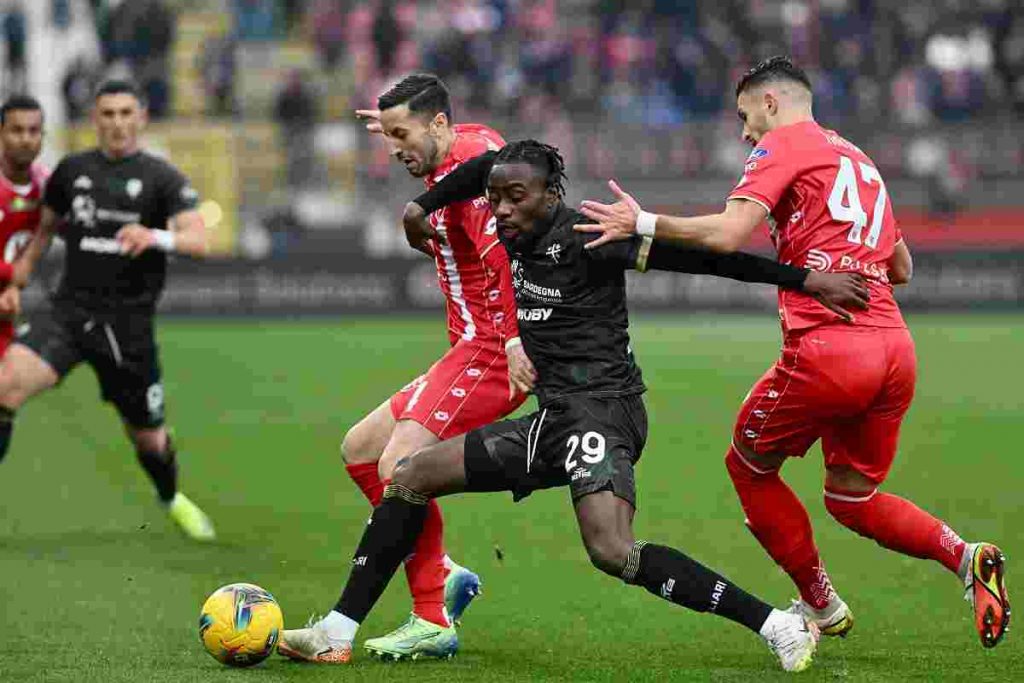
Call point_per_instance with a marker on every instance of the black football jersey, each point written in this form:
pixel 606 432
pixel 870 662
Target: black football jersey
pixel 572 310
pixel 96 196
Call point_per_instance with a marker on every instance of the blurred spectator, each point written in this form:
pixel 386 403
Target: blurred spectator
pixel 141 35
pixel 216 65
pixel 387 34
pixel 327 27
pixel 256 20
pixel 77 88
pixel 15 32
pixel 296 110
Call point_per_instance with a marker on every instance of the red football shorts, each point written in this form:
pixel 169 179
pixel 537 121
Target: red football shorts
pixel 849 386
pixel 466 389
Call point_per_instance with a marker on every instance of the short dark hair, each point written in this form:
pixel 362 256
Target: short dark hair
pixel 777 68
pixel 119 86
pixel 424 93
pixel 18 103
pixel 543 157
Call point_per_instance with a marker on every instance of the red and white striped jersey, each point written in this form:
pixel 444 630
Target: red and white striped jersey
pixel 20 209
pixel 472 266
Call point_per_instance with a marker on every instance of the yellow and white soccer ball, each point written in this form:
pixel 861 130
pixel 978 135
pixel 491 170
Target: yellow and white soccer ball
pixel 240 624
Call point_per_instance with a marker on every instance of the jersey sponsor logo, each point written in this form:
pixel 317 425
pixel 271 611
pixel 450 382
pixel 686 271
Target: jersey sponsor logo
pixel 539 292
pixel 15 243
pixel 133 187
pixel 22 205
pixel 818 260
pixel 82 182
pixel 100 245
pixel 872 270
pixel 479 203
pixel 580 473
pixel 83 210
pixel 666 589
pixel 554 251
pixel 118 216
pixel 534 314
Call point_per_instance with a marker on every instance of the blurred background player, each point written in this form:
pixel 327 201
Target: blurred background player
pixel 591 425
pixel 21 193
pixel 848 385
pixel 470 385
pixel 121 211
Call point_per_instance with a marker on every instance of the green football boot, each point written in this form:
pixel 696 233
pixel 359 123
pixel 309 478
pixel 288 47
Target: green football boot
pixel 415 639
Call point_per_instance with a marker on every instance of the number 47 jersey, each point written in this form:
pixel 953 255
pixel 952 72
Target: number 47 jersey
pixel 829 211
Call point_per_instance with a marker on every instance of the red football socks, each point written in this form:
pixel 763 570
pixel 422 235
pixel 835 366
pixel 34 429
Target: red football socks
pixel 780 523
pixel 897 524
pixel 367 478
pixel 425 570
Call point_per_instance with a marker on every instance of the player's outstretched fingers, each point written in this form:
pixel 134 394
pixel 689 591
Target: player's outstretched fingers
pixel 624 196
pixel 372 118
pixel 595 210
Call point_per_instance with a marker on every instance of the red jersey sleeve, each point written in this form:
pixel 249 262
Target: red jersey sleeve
pixel 768 172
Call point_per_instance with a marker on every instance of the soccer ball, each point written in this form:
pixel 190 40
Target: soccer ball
pixel 240 624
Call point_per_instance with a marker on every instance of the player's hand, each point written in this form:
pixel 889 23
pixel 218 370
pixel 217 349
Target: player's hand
pixel 135 239
pixel 615 221
pixel 521 373
pixel 372 118
pixel 839 292
pixel 10 301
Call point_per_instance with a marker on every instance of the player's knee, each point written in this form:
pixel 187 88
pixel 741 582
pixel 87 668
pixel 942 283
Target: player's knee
pixel 412 475
pixel 148 440
pixel 608 552
pixel 355 447
pixel 743 463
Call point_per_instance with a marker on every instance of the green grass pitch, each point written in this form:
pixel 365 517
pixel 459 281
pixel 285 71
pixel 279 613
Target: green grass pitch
pixel 95 585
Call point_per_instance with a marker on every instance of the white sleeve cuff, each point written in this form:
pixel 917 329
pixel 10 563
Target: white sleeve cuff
pixel 645 223
pixel 514 341
pixel 164 240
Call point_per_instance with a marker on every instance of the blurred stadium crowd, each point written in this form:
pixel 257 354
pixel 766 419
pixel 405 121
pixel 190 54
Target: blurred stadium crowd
pixel 932 89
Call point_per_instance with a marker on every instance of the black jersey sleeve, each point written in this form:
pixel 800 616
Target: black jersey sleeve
pixel 467 181
pixel 176 192
pixel 57 194
pixel 623 255
pixel 735 266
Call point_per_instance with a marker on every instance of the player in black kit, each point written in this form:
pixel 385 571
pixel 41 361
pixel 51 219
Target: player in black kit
pixel 120 211
pixel 591 426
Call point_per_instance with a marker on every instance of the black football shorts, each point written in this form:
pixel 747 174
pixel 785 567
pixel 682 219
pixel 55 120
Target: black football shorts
pixel 590 444
pixel 121 348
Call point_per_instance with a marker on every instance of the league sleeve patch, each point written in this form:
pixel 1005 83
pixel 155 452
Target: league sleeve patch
pixel 758 153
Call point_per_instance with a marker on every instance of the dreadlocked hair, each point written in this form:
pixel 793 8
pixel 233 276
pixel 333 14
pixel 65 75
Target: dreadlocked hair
pixel 540 156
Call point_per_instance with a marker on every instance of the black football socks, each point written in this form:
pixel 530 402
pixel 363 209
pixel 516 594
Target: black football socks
pixel 389 538
pixel 671 575
pixel 162 469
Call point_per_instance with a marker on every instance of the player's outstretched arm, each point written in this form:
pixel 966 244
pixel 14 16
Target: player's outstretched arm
pixel 26 262
pixel 725 231
pixel 467 181
pixel 190 233
pixel 839 292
